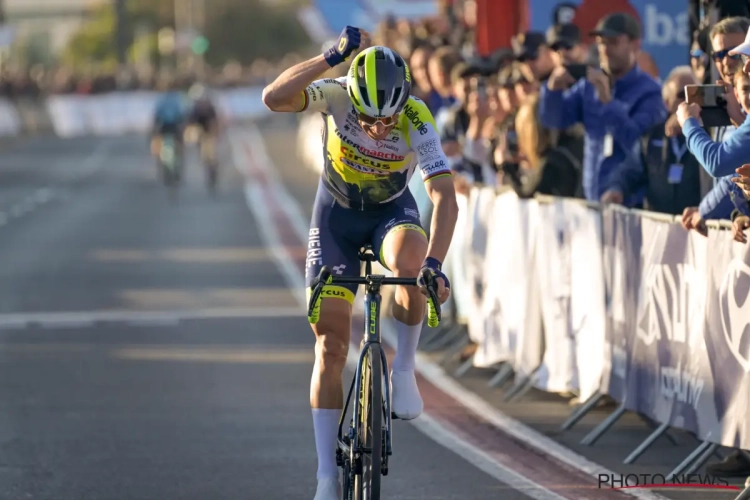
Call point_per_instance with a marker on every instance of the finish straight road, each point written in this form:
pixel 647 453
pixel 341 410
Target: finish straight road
pixel 150 347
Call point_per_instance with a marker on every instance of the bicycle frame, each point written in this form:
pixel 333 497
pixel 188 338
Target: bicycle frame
pixel 372 303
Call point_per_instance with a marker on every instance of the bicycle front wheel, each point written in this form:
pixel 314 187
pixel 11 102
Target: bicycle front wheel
pixel 367 482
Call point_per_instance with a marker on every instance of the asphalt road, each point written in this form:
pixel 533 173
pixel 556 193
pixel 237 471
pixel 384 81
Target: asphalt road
pixel 150 348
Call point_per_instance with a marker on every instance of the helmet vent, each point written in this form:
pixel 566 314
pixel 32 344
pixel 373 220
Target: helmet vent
pixel 365 96
pixel 381 99
pixel 396 96
pixel 353 97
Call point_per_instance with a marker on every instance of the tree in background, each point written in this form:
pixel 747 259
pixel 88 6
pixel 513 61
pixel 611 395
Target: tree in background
pixel 239 30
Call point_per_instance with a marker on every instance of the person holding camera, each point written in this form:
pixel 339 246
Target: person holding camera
pixel 670 174
pixel 617 104
pixel 720 158
pixel 724 196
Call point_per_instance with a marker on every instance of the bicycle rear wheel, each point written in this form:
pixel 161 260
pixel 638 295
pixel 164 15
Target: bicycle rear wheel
pixel 367 482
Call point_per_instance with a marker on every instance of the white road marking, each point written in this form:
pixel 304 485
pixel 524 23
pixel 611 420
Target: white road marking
pixel 443 436
pixel 436 374
pixel 88 318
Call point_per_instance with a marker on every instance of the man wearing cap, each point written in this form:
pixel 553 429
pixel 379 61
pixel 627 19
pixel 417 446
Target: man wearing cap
pixel 531 50
pixel 616 104
pixel 565 42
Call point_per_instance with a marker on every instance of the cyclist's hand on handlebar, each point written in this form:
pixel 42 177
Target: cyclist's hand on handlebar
pixel 441 280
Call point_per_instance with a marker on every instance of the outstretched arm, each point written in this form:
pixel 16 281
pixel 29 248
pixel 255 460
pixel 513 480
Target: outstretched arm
pixel 287 92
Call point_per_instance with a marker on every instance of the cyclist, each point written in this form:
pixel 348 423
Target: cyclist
pixel 170 116
pixel 373 131
pixel 205 116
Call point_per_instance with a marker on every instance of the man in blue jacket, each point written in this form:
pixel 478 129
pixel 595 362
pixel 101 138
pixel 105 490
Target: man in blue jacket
pixel 616 104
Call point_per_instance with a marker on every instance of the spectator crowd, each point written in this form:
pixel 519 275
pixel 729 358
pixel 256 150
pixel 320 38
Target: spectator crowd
pixel 37 81
pixel 585 115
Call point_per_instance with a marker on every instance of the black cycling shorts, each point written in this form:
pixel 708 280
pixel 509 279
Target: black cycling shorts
pixel 175 129
pixel 337 234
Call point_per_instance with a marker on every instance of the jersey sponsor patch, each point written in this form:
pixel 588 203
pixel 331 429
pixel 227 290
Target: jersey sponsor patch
pixel 437 166
pixel 362 168
pixel 429 148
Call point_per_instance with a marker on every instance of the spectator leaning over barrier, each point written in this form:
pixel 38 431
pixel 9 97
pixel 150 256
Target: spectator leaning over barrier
pixel 539 166
pixel 616 104
pixel 723 156
pixel 725 196
pixel 662 164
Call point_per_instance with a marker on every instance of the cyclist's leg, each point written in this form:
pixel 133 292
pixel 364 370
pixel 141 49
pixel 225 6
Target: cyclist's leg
pixel 402 246
pixel 330 243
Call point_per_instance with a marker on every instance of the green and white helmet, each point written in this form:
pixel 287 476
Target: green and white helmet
pixel 379 82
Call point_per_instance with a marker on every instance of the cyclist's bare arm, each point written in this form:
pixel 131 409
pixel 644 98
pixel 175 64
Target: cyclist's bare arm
pixel 445 213
pixel 437 178
pixel 287 92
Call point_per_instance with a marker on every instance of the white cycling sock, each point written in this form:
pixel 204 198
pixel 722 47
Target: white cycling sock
pixel 406 352
pixel 326 424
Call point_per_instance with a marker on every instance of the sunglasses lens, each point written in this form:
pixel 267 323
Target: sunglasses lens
pixel 368 120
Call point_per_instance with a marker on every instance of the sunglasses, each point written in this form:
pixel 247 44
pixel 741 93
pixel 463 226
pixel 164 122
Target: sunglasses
pixel 721 54
pixel 369 120
pixel 697 54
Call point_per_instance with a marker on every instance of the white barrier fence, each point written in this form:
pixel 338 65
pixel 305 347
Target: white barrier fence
pixel 73 115
pixel 10 122
pixel 123 112
pixel 617 302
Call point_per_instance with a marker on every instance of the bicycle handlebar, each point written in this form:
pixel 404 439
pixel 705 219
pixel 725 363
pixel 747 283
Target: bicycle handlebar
pixel 326 278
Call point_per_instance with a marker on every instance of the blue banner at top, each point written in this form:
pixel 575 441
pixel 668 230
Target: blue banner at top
pixel 664 23
pixel 366 14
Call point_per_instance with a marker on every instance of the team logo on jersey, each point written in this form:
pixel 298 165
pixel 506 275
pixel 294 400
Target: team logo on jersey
pixel 386 145
pixel 361 159
pixel 370 153
pixel 413 116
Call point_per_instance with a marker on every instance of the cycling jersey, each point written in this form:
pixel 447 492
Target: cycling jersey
pixel 360 172
pixel 170 109
pixel 203 113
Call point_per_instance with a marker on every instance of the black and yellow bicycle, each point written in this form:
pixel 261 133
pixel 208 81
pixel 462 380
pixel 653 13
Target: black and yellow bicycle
pixel 364 450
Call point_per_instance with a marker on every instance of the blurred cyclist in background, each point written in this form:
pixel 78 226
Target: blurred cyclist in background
pixel 170 117
pixel 206 118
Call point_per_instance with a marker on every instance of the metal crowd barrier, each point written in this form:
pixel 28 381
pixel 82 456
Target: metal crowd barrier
pixel 453 338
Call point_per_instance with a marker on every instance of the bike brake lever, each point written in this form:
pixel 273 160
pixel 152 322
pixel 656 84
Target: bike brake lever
pixel 433 303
